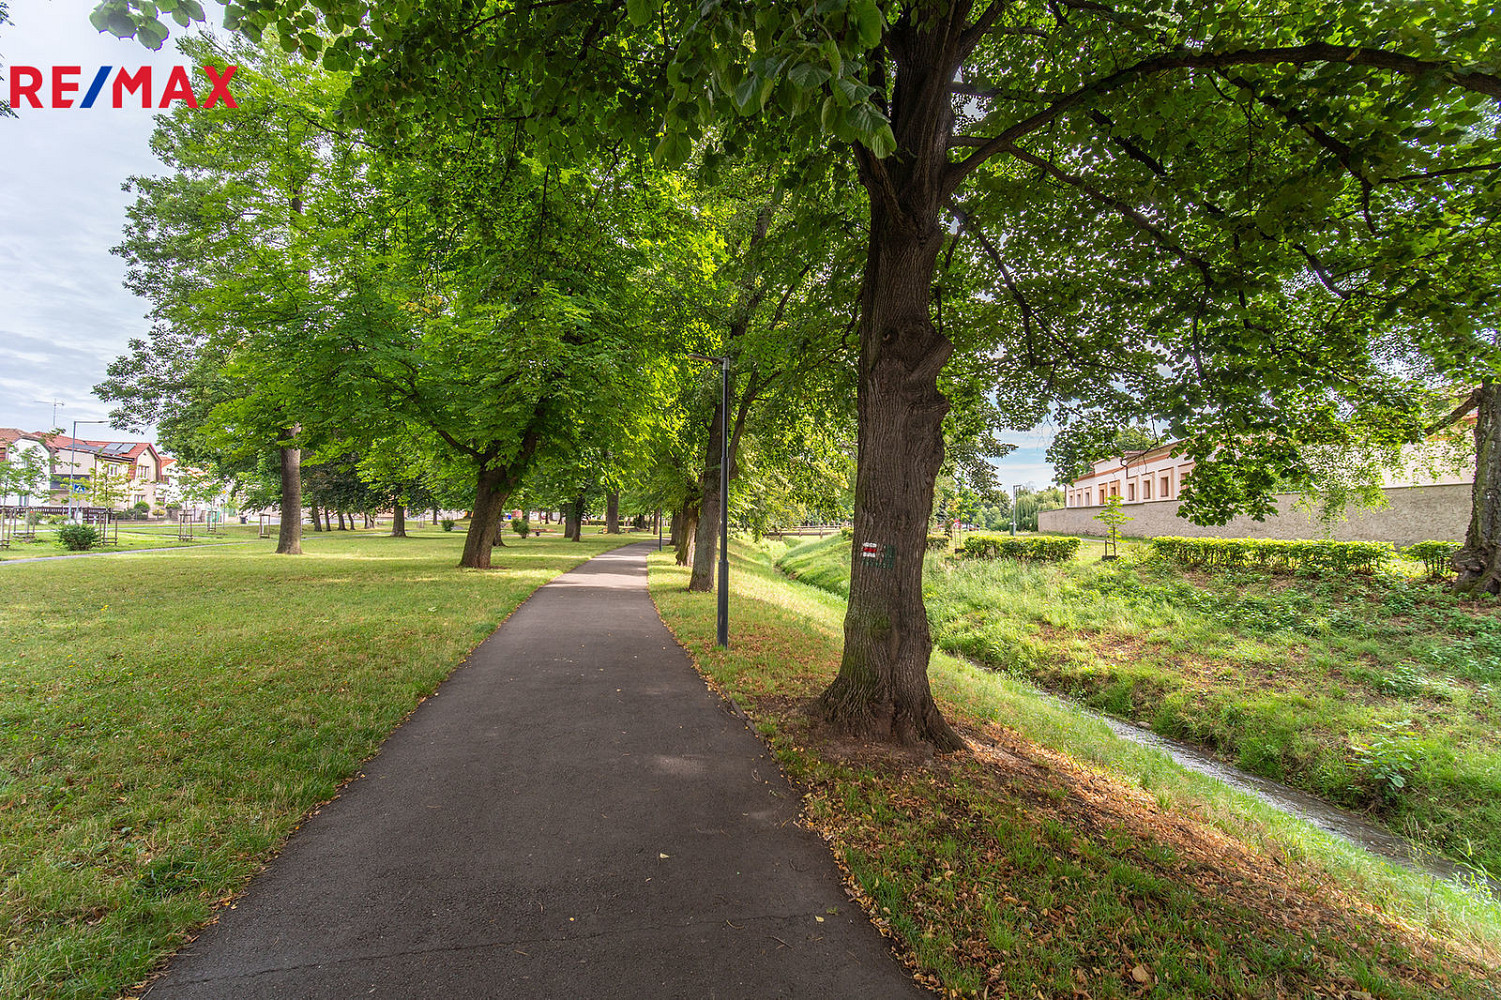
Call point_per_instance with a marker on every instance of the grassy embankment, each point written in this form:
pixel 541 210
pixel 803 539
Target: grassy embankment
pixel 166 720
pixel 1377 693
pixel 1057 860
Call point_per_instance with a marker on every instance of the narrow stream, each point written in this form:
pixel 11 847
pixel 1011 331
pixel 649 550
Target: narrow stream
pixel 1342 823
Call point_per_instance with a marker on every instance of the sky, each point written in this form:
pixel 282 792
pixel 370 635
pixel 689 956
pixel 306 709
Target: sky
pixel 64 315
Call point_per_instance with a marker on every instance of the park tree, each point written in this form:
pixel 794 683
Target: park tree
pixel 24 473
pixel 1239 146
pixel 226 247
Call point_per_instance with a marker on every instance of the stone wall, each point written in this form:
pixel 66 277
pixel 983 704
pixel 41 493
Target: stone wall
pixel 1412 514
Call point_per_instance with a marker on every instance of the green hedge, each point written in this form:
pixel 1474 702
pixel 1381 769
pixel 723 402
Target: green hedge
pixel 1434 555
pixel 940 543
pixel 1038 548
pixel 1274 554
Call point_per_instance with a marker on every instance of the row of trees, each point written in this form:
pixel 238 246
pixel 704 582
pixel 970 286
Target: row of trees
pixel 1264 225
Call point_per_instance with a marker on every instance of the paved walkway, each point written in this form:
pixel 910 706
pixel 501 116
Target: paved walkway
pixel 573 815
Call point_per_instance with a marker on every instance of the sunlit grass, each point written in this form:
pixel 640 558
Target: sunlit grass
pixel 1379 694
pixel 167 719
pixel 999 882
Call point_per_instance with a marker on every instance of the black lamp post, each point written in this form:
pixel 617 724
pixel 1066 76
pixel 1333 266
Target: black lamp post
pixel 724 495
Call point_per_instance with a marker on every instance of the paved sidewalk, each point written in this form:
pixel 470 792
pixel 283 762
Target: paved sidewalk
pixel 573 815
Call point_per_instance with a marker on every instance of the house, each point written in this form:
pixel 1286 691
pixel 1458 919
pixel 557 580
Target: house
pixel 15 445
pixel 72 462
pixel 1428 497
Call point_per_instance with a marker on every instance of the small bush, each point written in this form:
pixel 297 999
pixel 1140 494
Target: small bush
pixel 1434 555
pixel 447 523
pixel 1036 549
pixel 846 533
pixel 77 537
pixel 940 543
pixel 521 526
pixel 1275 555
pixel 141 507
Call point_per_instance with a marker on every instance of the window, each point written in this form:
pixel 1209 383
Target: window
pixel 1167 486
pixel 1146 488
pixel 1130 491
pixel 1087 494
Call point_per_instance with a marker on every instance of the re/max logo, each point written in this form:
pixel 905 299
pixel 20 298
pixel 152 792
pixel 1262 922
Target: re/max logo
pixel 26 83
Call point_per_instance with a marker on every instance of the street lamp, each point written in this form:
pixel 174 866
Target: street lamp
pixel 73 451
pixel 1015 492
pixel 724 495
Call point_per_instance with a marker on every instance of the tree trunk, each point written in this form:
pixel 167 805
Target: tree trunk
pixel 501 524
pixel 706 531
pixel 316 512
pixel 687 520
pixel 289 537
pixel 612 513
pixel 490 493
pixel 882 690
pixel 328 520
pixel 578 519
pixel 399 522
pixel 1478 562
pixel 342 526
pixel 674 529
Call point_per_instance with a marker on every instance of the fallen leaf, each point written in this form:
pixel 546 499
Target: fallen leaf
pixel 1140 974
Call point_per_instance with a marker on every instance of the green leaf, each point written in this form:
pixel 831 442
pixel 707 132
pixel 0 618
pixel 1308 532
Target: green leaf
pixel 808 76
pixel 151 33
pixel 192 8
pixel 640 12
pixel 120 24
pixel 870 23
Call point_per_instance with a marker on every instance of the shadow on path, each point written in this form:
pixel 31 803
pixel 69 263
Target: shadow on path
pixel 573 814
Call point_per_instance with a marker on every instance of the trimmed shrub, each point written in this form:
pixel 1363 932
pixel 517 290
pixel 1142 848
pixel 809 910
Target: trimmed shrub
pixel 940 543
pixel 1274 555
pixel 1039 548
pixel 521 526
pixel 77 537
pixel 1434 555
pixel 447 523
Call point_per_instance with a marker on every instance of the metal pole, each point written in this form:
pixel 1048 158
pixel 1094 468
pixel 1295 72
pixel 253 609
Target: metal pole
pixel 724 504
pixel 1013 511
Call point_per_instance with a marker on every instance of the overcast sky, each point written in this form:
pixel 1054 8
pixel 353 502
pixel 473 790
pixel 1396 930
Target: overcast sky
pixel 63 313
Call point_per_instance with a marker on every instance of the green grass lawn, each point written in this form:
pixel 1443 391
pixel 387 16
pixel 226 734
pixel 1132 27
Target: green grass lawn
pixel 167 719
pixel 132 535
pixel 1381 694
pixel 1056 860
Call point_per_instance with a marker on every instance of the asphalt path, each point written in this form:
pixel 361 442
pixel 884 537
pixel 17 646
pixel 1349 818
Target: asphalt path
pixel 573 814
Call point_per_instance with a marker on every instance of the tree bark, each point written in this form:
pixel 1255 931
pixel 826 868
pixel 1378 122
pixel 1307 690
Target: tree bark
pixel 612 513
pixel 882 690
pixel 570 521
pixel 687 520
pixel 316 511
pixel 490 491
pixel 706 530
pixel 578 519
pixel 289 536
pixel 399 522
pixel 328 520
pixel 1478 562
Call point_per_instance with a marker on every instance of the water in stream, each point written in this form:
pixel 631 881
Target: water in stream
pixel 1341 823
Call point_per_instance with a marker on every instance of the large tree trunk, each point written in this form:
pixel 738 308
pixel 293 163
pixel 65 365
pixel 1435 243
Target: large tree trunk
pixel 1478 563
pixel 706 531
pixel 612 513
pixel 399 522
pixel 687 521
pixel 570 521
pixel 289 537
pixel 490 492
pixel 882 689
pixel 315 511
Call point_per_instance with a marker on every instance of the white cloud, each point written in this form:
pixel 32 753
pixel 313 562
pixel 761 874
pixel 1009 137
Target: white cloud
pixel 64 315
